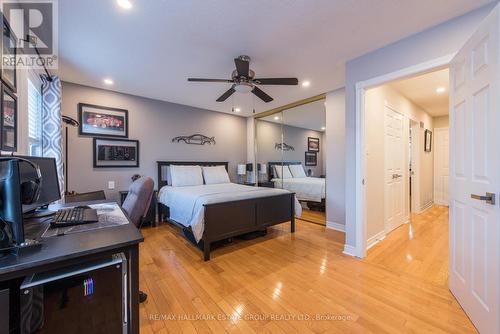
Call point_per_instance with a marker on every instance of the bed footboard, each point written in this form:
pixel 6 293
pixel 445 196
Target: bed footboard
pixel 230 219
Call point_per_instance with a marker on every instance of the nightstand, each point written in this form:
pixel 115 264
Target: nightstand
pixel 266 184
pixel 151 215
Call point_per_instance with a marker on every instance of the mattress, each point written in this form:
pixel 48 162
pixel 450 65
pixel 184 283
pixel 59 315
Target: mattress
pixel 305 188
pixel 186 204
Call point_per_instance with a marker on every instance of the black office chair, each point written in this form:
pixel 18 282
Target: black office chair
pixel 136 206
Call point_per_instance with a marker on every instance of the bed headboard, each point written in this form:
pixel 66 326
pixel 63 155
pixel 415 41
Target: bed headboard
pixel 162 179
pixel 272 164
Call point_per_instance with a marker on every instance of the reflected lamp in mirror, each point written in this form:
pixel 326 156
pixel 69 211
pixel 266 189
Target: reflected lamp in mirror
pixel 241 170
pixel 262 168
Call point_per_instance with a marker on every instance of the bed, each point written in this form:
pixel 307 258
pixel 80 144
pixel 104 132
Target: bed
pixel 311 190
pixel 215 212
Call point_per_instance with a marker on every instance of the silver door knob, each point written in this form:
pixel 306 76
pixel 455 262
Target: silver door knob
pixel 488 198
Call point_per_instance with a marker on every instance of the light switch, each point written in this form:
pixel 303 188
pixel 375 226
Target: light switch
pixel 111 184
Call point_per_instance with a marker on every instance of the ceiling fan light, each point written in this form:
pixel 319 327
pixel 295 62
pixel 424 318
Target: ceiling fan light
pixel 243 88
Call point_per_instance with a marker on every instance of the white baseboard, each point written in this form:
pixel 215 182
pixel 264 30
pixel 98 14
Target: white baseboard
pixel 375 239
pixel 335 226
pixel 426 206
pixel 349 250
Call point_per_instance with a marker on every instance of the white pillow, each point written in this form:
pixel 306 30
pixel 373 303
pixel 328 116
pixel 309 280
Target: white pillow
pixel 165 175
pixel 297 171
pixel 183 176
pixel 283 172
pixel 215 175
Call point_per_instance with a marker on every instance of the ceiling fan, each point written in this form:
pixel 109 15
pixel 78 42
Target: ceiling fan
pixel 244 81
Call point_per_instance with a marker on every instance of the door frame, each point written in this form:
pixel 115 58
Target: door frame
pixel 435 167
pixel 360 204
pixel 415 168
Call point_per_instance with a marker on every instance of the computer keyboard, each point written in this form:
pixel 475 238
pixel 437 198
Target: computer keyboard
pixel 74 216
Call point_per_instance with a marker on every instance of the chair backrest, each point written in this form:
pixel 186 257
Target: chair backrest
pixel 85 197
pixel 138 199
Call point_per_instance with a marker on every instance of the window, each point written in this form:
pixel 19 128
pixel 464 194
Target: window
pixel 34 120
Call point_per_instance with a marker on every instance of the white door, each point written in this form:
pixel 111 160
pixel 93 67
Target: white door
pixel 474 171
pixel 441 165
pixel 395 169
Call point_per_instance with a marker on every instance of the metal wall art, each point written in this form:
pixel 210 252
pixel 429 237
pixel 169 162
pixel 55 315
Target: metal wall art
pixel 196 139
pixel 284 147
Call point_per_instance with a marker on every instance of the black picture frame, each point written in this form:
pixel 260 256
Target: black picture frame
pixel 311 159
pixel 428 141
pixel 8 120
pixel 312 144
pixel 95 121
pixel 114 148
pixel 8 76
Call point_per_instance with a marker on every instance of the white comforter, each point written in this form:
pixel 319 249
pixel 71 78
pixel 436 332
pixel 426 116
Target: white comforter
pixel 186 203
pixel 305 188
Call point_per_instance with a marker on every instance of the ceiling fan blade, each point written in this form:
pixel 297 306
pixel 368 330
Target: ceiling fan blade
pixel 260 93
pixel 227 94
pixel 242 67
pixel 277 81
pixel 209 80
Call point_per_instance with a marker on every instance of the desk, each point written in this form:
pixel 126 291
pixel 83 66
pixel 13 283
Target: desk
pixel 70 249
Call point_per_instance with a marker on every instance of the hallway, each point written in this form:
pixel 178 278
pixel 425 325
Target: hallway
pixel 419 249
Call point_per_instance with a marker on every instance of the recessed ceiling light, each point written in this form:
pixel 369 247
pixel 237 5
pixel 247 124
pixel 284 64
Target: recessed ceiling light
pixel 323 128
pixel 124 4
pixel 108 81
pixel 306 83
pixel 276 118
pixel 237 109
pixel 440 90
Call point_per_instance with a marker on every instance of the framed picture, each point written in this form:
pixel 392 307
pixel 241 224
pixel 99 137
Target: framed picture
pixel 311 159
pixel 112 153
pixel 428 141
pixel 98 121
pixel 312 144
pixel 9 53
pixel 8 118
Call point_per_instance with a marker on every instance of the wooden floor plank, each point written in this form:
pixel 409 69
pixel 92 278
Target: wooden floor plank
pixel 282 282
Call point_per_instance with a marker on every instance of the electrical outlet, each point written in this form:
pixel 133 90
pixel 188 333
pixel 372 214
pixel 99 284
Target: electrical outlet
pixel 111 184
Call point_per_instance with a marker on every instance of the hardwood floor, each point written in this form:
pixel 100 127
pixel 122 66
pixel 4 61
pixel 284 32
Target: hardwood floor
pixel 316 217
pixel 280 283
pixel 419 248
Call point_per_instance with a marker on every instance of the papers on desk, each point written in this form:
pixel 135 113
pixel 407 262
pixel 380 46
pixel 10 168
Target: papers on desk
pixel 109 215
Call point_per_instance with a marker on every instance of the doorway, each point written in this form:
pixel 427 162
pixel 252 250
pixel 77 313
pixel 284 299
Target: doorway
pixel 405 120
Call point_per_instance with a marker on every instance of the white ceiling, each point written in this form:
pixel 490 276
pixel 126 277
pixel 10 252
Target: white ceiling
pixel 151 49
pixel 421 90
pixel 310 116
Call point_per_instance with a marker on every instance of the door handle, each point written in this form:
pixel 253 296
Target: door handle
pixel 395 176
pixel 488 198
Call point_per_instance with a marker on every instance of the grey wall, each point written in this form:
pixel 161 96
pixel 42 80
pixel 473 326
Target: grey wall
pixel 154 123
pixel 269 133
pixel 433 43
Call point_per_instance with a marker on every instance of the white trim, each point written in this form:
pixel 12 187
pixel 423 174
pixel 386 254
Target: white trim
pixel 426 206
pixel 375 239
pixel 350 250
pixel 360 205
pixel 335 226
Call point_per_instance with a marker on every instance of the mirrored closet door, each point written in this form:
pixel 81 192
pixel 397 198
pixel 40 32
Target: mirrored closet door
pixel 290 154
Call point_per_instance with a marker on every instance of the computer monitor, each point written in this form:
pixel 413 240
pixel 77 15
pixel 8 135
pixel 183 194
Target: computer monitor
pixel 49 191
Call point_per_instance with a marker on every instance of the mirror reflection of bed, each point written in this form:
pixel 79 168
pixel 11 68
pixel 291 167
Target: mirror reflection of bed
pixel 290 153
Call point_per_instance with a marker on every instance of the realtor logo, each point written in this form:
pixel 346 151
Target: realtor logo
pixel 30 27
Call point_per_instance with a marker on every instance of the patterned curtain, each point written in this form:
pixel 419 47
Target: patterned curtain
pixel 52 124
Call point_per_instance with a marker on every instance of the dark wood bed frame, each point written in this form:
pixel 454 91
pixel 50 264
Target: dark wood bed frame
pixel 229 219
pixel 317 206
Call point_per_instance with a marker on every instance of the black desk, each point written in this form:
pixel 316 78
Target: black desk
pixel 70 249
